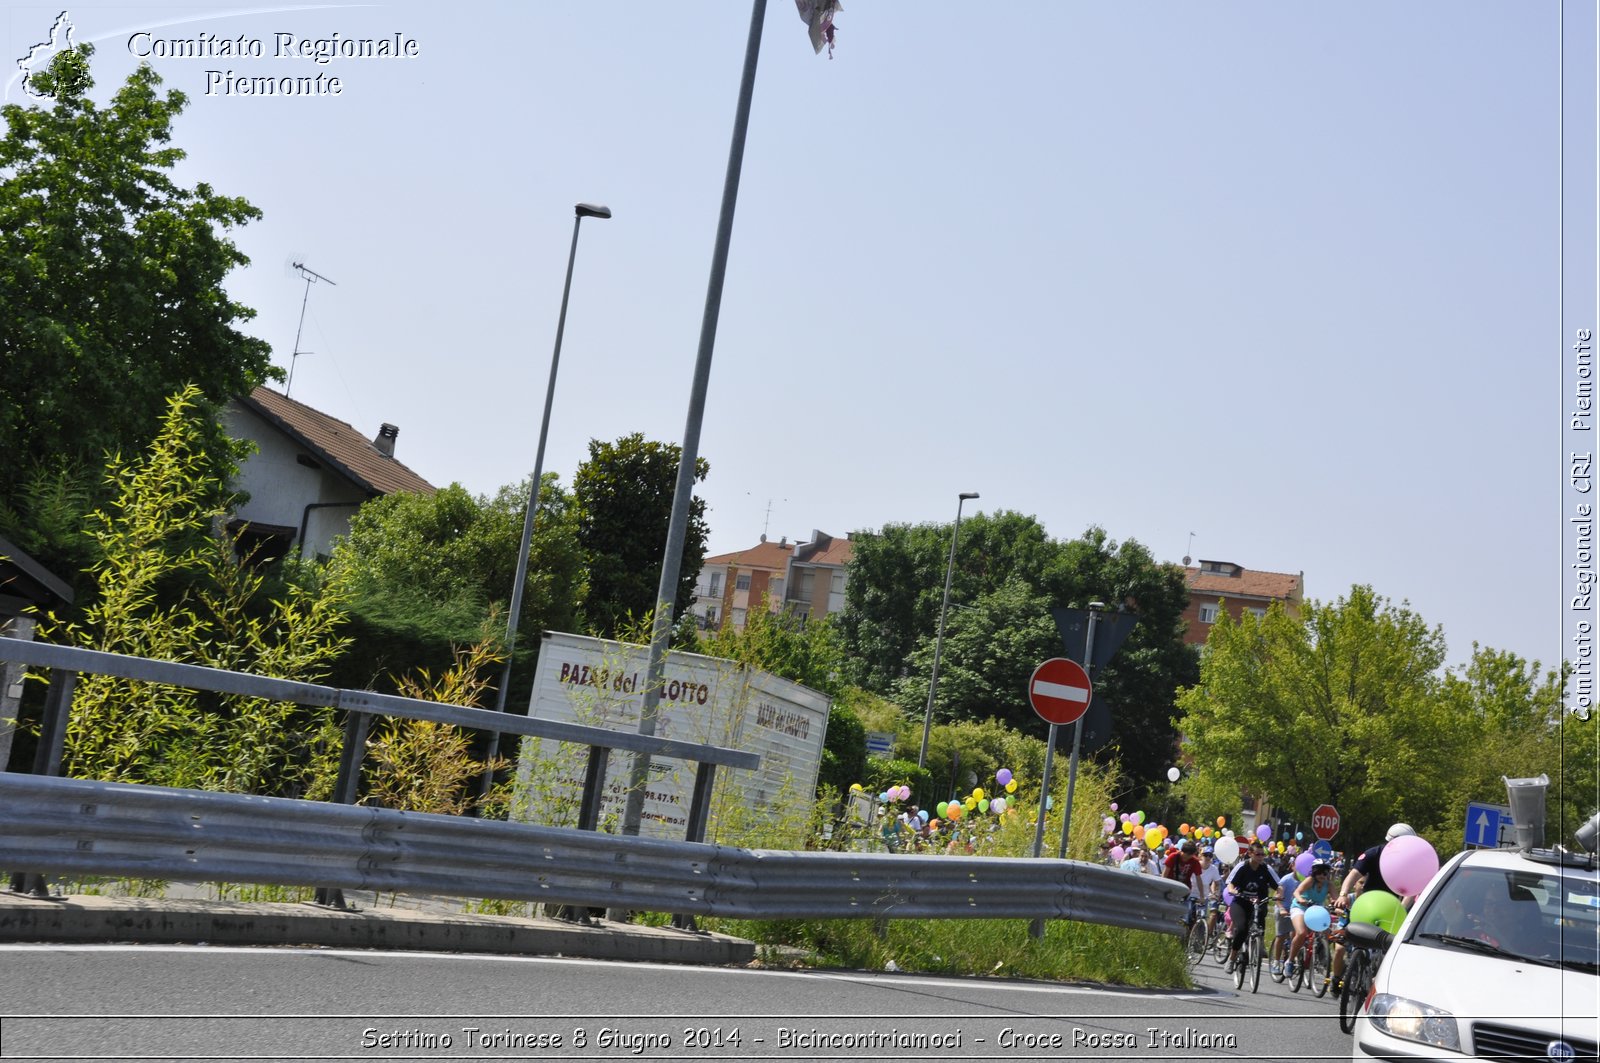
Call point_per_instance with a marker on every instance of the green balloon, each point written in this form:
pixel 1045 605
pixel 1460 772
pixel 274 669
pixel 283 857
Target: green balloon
pixel 1376 906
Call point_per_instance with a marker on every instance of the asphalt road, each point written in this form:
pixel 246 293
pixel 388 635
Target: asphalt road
pixel 200 1003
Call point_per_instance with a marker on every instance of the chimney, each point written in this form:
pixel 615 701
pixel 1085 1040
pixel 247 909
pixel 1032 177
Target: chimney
pixel 385 439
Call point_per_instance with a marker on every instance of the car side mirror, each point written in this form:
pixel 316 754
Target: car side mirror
pixel 1370 934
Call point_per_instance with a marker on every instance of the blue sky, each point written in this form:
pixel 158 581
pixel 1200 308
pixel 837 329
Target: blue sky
pixel 1283 276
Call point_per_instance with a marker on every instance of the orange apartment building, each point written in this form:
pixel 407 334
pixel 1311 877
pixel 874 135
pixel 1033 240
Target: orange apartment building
pixel 804 578
pixel 1218 585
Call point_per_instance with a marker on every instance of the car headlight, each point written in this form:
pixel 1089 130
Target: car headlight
pixel 1414 1021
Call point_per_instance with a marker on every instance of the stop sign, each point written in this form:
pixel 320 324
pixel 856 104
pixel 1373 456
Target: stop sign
pixel 1059 690
pixel 1325 822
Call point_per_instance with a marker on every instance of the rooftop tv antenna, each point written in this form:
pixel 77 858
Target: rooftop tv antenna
pixel 1190 550
pixel 311 276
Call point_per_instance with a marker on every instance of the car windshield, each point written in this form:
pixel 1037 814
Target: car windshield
pixel 1541 915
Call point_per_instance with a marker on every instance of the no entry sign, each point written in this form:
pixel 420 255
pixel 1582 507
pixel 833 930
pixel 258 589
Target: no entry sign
pixel 1060 690
pixel 1325 822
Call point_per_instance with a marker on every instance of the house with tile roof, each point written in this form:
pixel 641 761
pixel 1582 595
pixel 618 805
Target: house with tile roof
pixel 1218 585
pixel 730 585
pixel 310 472
pixel 803 578
pixel 816 576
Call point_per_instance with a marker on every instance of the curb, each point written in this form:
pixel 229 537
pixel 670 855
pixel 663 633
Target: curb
pixel 82 919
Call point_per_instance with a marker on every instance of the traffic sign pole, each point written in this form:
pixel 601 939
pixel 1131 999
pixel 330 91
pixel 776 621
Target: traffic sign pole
pixel 1077 738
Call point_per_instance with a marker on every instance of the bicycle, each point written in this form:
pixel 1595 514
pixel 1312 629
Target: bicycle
pixel 1221 934
pixel 1365 943
pixel 1201 936
pixel 1312 963
pixel 1250 956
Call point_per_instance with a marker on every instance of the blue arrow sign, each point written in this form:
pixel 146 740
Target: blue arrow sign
pixel 1322 850
pixel 1483 825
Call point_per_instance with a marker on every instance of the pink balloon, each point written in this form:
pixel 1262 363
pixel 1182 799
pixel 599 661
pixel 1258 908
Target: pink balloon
pixel 1117 853
pixel 1408 864
pixel 1113 806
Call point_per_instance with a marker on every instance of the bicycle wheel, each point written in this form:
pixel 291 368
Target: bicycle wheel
pixel 1256 949
pixel 1319 966
pixel 1195 944
pixel 1243 962
pixel 1354 991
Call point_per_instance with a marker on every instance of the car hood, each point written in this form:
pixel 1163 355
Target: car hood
pixel 1475 987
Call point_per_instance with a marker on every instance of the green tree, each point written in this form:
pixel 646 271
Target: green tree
pixel 428 571
pixel 170 588
pixel 1008 575
pixel 111 282
pixel 1341 704
pixel 623 496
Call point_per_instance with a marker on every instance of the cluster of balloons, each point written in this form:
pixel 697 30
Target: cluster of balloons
pixel 1408 864
pixel 1134 826
pixel 980 802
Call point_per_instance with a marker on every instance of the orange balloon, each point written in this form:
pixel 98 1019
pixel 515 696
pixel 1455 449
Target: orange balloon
pixel 1222 821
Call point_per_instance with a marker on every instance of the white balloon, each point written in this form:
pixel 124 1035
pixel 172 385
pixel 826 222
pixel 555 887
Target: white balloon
pixel 1227 850
pixel 1172 774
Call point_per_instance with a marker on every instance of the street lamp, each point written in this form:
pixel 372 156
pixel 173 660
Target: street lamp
pixel 581 211
pixel 938 643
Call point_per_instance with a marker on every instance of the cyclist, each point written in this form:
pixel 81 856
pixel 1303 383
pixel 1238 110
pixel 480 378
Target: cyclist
pixel 1210 888
pixel 1252 883
pixel 1313 891
pixel 1287 881
pixel 1365 874
pixel 1183 864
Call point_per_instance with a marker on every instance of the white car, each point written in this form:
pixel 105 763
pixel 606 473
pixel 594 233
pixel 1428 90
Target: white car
pixel 1497 960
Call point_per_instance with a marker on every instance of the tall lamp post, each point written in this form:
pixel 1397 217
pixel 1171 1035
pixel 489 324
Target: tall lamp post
pixel 938 643
pixel 581 211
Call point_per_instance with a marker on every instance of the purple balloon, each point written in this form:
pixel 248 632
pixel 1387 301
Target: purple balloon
pixel 1264 832
pixel 1227 896
pixel 1303 862
pixel 1408 864
pixel 1003 776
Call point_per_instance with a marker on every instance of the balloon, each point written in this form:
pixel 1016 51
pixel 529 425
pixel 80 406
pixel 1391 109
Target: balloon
pixel 1108 823
pixel 970 803
pixel 1138 831
pixel 953 812
pixel 998 805
pixel 856 787
pixel 941 807
pixel 1184 829
pixel 1377 906
pixel 1222 821
pixel 1138 817
pixel 1303 862
pixel 1117 853
pixel 1318 919
pixel 1011 788
pixel 1127 828
pixel 984 805
pixel 1113 806
pixel 1172 774
pixel 1408 864
pixel 1002 776
pixel 1227 850
pixel 1227 896
pixel 883 795
pixel 1299 836
pixel 1263 832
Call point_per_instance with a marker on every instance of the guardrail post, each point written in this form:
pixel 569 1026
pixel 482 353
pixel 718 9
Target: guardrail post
pixel 705 777
pixel 594 788
pixel 348 786
pixel 48 755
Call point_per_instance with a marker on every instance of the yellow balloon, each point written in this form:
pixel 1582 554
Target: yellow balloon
pixel 977 795
pixel 969 804
pixel 1011 787
pixel 1127 827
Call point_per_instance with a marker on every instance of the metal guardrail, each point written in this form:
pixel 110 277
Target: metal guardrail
pixel 67 662
pixel 69 826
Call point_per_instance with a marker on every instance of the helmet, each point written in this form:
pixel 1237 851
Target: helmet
pixel 1399 830
pixel 1321 867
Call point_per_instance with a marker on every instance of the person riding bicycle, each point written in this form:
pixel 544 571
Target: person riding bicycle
pixel 1365 873
pixel 1287 881
pixel 1210 888
pixel 1252 883
pixel 1311 892
pixel 1183 864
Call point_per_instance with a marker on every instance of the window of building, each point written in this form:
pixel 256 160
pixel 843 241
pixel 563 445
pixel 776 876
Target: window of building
pixel 711 616
pixel 716 584
pixel 737 617
pixel 743 582
pixel 838 583
pixel 1259 614
pixel 807 579
pixel 1208 612
pixel 775 589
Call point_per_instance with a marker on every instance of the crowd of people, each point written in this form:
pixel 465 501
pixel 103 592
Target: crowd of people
pixel 1244 889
